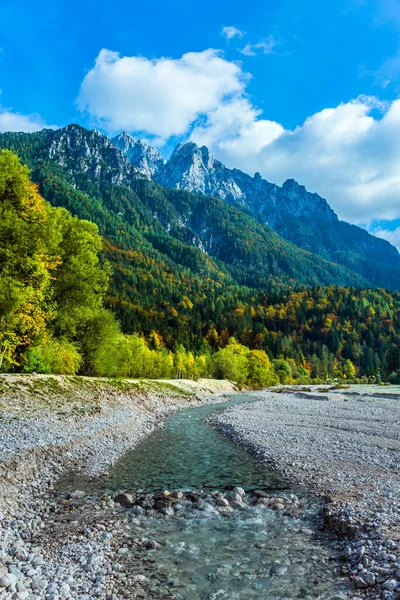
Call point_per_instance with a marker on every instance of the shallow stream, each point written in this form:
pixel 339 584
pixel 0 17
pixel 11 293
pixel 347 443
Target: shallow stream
pixel 253 553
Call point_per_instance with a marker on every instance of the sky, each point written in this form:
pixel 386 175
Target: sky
pixel 306 90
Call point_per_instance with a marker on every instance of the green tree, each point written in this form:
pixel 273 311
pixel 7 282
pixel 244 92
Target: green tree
pixel 25 264
pixel 80 280
pixel 232 363
pixel 261 373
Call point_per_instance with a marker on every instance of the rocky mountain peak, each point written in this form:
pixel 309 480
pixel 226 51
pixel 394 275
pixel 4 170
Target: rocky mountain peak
pixel 84 151
pixel 147 159
pixel 195 169
pixel 296 200
pixel 192 153
pixel 124 141
pixel 186 169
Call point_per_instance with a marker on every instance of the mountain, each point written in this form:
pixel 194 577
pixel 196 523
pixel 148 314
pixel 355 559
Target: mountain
pixel 144 157
pixel 183 264
pixel 166 243
pixel 194 270
pixel 299 216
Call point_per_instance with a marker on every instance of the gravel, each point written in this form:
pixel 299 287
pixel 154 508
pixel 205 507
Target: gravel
pixel 41 439
pixel 344 446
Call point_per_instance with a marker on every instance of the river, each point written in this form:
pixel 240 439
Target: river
pixel 252 553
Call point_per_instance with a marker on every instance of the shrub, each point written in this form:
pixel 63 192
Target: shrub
pixel 54 356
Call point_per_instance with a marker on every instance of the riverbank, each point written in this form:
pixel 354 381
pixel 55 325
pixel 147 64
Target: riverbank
pixel 201 538
pixel 344 446
pixel 52 423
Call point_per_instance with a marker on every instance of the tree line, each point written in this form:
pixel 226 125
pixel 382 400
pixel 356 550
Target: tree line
pixel 65 309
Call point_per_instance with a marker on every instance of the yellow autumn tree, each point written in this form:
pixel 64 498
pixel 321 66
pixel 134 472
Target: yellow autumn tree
pixel 25 265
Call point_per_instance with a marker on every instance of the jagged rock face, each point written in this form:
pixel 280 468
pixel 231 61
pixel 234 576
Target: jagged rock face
pixel 194 169
pixel 297 201
pixel 91 153
pixel 299 216
pixel 148 160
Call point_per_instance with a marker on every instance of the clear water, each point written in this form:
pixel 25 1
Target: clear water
pixel 253 553
pixel 187 453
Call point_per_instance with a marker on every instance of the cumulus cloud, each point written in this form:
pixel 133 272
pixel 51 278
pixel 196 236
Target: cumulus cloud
pixel 161 97
pixel 12 121
pixel 349 154
pixel 231 32
pixel 391 236
pixel 235 129
pixel 266 46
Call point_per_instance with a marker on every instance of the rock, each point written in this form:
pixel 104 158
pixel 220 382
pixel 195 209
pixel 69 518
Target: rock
pixel 141 578
pixel 65 590
pixel 260 494
pixel 390 585
pixel 162 502
pixel 370 579
pixel 52 589
pixel 360 583
pixel 145 158
pixel 125 499
pixel 263 502
pixel 225 510
pixel 7 580
pixel 277 571
pixel 168 511
pixel 238 490
pixel 77 494
pixel 238 504
pixel 40 584
pixel 15 571
pixel 234 497
pixel 222 502
pixel 177 495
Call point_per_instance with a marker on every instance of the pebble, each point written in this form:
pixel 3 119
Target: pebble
pixel 344 450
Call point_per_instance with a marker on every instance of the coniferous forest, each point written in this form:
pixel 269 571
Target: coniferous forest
pixel 92 283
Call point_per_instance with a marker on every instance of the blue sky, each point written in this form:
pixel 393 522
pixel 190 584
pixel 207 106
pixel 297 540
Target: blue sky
pixel 291 89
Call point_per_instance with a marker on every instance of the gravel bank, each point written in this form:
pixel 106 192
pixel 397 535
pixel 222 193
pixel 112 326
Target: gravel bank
pixel 47 425
pixel 344 446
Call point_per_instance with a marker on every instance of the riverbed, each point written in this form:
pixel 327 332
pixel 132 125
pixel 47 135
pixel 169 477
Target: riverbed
pixel 344 445
pixel 205 551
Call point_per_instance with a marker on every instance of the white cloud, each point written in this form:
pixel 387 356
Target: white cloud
pixel 267 47
pixel 349 154
pixel 391 236
pixel 161 97
pixel 231 32
pixel 238 130
pixel 12 121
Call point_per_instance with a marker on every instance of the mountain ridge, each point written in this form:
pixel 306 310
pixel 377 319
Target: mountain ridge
pixel 302 217
pixel 174 220
pixel 194 168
